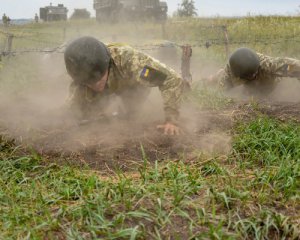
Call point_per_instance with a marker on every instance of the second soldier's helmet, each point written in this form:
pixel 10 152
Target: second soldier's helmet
pixel 87 59
pixel 244 63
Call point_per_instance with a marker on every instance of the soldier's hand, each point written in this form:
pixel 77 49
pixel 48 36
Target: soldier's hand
pixel 209 81
pixel 169 129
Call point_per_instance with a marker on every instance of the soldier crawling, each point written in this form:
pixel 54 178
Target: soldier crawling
pixel 98 70
pixel 257 72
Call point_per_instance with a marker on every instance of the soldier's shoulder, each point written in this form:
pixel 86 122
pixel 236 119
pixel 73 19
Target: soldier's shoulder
pixel 119 47
pixel 121 51
pixel 226 71
pixel 269 63
pixel 266 61
pixel 263 57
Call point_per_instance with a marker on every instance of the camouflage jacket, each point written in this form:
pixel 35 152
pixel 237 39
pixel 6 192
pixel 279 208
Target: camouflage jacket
pixel 131 69
pixel 271 70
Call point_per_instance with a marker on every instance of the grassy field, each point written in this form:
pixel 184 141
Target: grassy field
pixel 252 192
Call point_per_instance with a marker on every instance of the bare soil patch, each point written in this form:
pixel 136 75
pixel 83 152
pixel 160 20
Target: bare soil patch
pixel 123 145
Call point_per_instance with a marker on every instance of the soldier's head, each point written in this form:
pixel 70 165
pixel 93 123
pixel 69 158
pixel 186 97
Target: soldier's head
pixel 87 61
pixel 244 63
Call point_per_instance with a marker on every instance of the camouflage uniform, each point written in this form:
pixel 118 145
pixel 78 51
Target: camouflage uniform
pixel 131 73
pixel 270 72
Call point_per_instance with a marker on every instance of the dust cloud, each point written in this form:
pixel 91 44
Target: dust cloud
pixel 30 95
pixel 33 92
pixel 287 90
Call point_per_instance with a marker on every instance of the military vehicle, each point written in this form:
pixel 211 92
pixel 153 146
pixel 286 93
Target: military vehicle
pixel 116 10
pixel 54 13
pixel 80 13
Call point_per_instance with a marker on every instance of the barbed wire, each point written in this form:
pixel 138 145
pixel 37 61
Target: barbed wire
pixel 141 48
pixel 206 43
pixel 38 40
pixel 24 31
pixel 32 38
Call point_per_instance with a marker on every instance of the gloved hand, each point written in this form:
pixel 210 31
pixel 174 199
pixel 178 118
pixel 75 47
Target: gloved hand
pixel 169 129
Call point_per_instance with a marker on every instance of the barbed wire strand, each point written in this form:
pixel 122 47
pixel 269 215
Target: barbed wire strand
pixel 207 43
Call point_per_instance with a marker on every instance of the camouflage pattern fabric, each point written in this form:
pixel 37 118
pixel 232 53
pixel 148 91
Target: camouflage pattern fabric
pixel 131 75
pixel 270 72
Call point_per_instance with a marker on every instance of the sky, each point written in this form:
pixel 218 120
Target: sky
pixel 206 8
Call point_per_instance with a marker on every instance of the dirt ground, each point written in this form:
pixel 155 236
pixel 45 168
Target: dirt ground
pixel 124 145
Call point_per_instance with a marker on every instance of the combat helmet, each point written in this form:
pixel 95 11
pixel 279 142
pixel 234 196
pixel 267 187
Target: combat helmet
pixel 86 59
pixel 244 63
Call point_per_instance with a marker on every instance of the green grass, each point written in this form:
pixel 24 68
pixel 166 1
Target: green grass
pixel 207 98
pixel 241 197
pixel 274 146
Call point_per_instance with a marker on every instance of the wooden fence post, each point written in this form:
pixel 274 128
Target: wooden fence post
pixel 226 40
pixel 163 29
pixel 186 64
pixel 8 48
pixel 64 33
pixel 78 31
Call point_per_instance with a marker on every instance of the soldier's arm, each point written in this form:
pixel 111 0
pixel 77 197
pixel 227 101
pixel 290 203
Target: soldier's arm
pixel 171 87
pixel 81 102
pixel 222 79
pixel 171 91
pixel 282 67
pixel 152 73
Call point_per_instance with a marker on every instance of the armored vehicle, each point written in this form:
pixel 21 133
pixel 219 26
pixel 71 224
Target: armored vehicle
pixel 80 13
pixel 53 13
pixel 116 10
